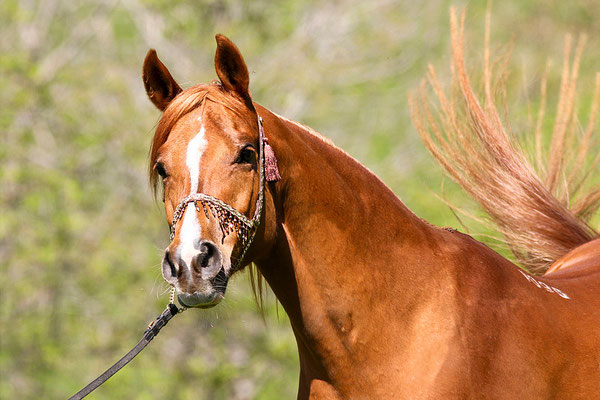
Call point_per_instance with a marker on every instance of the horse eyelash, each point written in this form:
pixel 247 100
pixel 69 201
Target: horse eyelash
pixel 239 159
pixel 160 170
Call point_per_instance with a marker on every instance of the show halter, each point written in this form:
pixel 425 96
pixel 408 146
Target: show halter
pixel 230 220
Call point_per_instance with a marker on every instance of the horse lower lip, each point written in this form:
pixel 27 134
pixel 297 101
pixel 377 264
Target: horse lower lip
pixel 199 300
pixel 210 299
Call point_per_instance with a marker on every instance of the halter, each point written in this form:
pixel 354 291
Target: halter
pixel 229 218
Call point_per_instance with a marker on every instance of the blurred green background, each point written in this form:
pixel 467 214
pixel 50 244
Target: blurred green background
pixel 80 236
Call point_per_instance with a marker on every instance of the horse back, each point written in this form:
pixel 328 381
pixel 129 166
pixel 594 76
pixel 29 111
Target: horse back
pixel 582 260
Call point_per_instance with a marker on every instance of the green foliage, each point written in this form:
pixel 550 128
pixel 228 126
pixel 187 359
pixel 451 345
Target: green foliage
pixel 80 236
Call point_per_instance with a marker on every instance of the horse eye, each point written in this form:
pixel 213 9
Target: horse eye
pixel 247 156
pixel 160 170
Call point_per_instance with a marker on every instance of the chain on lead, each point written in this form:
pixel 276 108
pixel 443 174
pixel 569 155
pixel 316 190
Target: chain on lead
pixel 181 307
pixel 172 295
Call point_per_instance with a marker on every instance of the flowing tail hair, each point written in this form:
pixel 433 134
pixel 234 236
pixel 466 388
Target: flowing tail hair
pixel 542 216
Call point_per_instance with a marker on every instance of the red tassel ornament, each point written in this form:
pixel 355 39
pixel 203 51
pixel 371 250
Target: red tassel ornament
pixel 271 168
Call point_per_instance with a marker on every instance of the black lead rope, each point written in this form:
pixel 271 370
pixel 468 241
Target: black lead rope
pixel 149 334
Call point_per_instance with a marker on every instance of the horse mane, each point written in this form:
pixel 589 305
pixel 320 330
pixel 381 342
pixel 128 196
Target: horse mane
pixel 307 129
pixel 537 214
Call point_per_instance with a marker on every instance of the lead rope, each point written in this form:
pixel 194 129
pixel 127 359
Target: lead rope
pixel 149 334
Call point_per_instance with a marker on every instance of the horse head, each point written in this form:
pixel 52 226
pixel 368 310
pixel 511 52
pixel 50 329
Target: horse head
pixel 208 154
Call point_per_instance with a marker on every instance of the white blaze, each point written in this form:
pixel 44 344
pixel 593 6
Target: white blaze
pixel 190 232
pixel 195 149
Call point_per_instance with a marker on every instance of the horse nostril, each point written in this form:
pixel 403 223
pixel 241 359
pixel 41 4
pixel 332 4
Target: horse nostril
pixel 207 251
pixel 171 265
pixel 169 270
pixel 208 260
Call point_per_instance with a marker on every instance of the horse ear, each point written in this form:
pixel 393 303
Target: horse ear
pixel 160 85
pixel 231 68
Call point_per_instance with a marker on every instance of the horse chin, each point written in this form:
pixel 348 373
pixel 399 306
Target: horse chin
pixel 200 299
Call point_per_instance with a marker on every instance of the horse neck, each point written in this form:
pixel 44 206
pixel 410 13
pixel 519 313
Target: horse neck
pixel 342 233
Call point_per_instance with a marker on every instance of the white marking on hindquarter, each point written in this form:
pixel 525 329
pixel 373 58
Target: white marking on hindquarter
pixel 190 232
pixel 544 286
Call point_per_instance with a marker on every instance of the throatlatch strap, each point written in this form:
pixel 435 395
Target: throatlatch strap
pixel 149 334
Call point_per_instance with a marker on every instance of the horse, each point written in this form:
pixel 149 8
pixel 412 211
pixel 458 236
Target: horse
pixel 382 304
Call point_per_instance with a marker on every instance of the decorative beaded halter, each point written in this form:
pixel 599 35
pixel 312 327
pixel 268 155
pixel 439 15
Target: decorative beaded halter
pixel 230 219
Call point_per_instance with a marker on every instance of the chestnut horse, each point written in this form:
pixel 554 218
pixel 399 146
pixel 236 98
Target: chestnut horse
pixel 382 304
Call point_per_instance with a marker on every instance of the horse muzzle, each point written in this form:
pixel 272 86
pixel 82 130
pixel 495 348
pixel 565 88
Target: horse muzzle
pixel 200 278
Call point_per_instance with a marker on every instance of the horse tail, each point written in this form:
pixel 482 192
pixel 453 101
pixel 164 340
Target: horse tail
pixel 542 215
